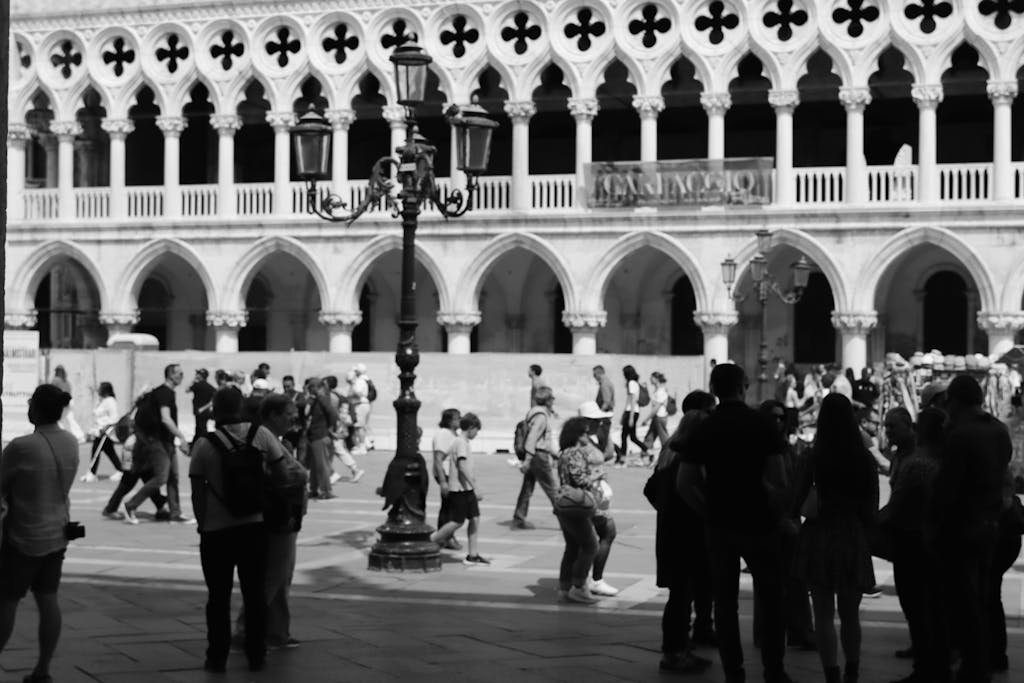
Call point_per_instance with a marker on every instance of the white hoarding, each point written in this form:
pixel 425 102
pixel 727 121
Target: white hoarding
pixel 21 376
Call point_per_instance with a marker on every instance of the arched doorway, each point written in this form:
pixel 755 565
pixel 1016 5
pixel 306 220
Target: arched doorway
pixel 380 303
pixel 283 303
pixel 814 335
pixel 67 307
pixel 172 304
pixel 945 313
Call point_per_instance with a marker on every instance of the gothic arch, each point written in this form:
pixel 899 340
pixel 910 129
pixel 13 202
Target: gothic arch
pixel 351 284
pixel 34 268
pixel 898 245
pixel 474 276
pixel 143 262
pixel 237 283
pixel 1013 292
pixel 592 299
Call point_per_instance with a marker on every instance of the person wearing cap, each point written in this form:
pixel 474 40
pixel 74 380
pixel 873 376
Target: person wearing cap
pixel 202 401
pixel 967 504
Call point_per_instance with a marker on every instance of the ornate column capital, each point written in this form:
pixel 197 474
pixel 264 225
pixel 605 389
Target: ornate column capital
pixel 1001 92
pixel 854 99
pixel 117 129
pixel 583 108
pixel 463 321
pixel 1010 321
pixel 280 121
pixel 18 134
pixel 225 124
pixel 172 126
pixel 856 322
pixel 926 95
pixel 394 114
pixel 20 320
pixel 648 106
pixel 715 102
pixel 520 111
pixel 342 319
pixel 784 100
pixel 65 130
pixel 716 322
pixel 119 318
pixel 227 318
pixel 340 119
pixel 576 320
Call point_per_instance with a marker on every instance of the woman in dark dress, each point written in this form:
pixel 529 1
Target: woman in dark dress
pixel 834 556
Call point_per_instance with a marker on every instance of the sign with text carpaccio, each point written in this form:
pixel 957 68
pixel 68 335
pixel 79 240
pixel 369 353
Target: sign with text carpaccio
pixel 21 376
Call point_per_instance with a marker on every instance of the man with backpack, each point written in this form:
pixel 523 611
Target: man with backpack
pixel 362 393
pixel 538 466
pixel 231 471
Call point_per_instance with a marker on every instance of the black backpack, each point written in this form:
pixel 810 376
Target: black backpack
pixel 147 416
pixel 644 399
pixel 519 439
pixel 245 478
pixel 371 391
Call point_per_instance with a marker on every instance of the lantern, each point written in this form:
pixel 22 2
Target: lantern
pixel 764 241
pixel 801 273
pixel 473 130
pixel 729 272
pixel 758 266
pixel 311 137
pixel 410 73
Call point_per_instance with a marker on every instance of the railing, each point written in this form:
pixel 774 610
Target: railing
pixel 554 191
pixel 92 202
pixel 820 185
pixel 145 201
pixel 493 193
pixel 41 204
pixel 254 199
pixel 199 200
pixel 965 182
pixel 892 184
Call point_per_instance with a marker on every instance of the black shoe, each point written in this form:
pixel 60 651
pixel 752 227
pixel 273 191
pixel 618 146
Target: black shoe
pixel 684 663
pixel 214 667
pixel 522 524
pixel 162 516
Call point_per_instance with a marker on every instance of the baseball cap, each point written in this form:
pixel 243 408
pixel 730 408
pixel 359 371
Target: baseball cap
pixel 592 411
pixel 261 385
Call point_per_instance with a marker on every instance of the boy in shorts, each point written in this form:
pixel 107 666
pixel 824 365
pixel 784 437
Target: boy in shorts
pixel 462 492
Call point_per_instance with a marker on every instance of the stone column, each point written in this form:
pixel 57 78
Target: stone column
pixel 1002 94
pixel 855 100
pixel 459 327
pixel 282 122
pixel 117 130
pixel 927 98
pixel 339 328
pixel 853 331
pixel 515 323
pixel 520 113
pixel 584 110
pixel 225 326
pixel 20 320
pixel 172 127
pixel 716 104
pixel 1002 329
pixel 226 125
pixel 394 114
pixel 784 102
pixel 584 326
pixel 118 322
pixel 49 141
pixel 341 120
pixel 18 135
pixel 648 107
pixel 66 131
pixel 716 326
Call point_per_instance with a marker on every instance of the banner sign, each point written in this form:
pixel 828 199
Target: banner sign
pixel 686 183
pixel 21 377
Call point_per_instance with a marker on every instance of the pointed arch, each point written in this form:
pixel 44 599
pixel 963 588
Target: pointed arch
pixel 237 283
pixel 351 284
pixel 33 269
pixel 67 108
pixel 601 275
pixel 1013 292
pixel 473 277
pixel 898 245
pixel 146 259
pixel 531 78
pixel 21 102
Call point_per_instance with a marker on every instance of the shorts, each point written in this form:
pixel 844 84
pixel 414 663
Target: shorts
pixel 462 505
pixel 20 572
pixel 361 416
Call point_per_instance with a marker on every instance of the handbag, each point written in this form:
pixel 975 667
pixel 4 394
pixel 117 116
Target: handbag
pixel 573 502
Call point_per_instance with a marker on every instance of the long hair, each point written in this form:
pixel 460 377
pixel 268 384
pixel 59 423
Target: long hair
pixel 106 389
pixel 680 438
pixel 629 372
pixel 840 459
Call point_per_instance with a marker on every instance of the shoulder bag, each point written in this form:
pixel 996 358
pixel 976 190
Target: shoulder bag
pixel 575 503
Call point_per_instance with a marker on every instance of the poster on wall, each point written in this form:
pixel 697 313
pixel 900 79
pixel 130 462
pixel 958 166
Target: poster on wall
pixel 21 376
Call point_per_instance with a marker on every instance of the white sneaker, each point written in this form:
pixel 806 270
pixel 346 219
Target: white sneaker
pixel 357 475
pixel 116 476
pixel 335 477
pixel 603 588
pixel 129 516
pixel 581 595
pixel 88 477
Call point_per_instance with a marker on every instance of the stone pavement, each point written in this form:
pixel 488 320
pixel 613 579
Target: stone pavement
pixel 133 603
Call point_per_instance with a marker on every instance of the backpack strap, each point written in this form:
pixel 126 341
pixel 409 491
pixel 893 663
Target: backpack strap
pixel 225 442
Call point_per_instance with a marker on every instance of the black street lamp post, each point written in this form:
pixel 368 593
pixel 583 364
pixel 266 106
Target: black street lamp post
pixel 765 283
pixel 405 536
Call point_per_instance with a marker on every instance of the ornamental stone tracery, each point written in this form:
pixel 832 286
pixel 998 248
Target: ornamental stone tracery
pixel 855 323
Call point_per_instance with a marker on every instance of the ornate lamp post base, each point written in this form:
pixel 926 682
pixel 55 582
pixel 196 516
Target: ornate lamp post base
pixel 405 546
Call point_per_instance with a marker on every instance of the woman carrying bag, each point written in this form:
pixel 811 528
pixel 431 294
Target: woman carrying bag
pixel 575 504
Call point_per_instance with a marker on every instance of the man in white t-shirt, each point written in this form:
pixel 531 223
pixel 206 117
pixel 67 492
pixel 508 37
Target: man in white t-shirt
pixel 463 493
pixel 359 395
pixel 443 442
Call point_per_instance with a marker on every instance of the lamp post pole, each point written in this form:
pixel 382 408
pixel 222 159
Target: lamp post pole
pixel 762 357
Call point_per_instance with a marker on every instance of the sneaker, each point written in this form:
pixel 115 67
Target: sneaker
pixel 874 593
pixel 87 478
pixel 357 475
pixel 603 588
pixel 129 515
pixel 335 477
pixel 182 519
pixel 162 515
pixel 522 524
pixel 476 561
pixel 581 595
pixel 115 515
pixel 513 462
pixel 116 476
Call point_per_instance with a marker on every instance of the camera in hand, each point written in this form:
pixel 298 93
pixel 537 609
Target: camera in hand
pixel 74 531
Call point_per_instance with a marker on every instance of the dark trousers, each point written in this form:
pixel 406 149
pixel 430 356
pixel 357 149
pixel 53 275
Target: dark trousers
pixel 1006 552
pixel 220 552
pixel 107 445
pixel 580 550
pixel 690 586
pixel 675 619
pixel 796 604
pixel 658 430
pixel 629 421
pixel 320 451
pixel 201 421
pixel 763 555
pixel 920 594
pixel 128 481
pixel 163 460
pixel 541 472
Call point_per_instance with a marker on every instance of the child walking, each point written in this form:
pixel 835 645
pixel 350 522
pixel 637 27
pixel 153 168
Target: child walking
pixel 463 495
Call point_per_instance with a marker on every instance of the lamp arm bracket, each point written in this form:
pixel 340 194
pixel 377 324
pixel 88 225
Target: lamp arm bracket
pixel 333 208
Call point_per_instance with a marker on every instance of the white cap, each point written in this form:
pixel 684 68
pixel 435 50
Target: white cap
pixel 592 411
pixel 360 369
pixel 261 385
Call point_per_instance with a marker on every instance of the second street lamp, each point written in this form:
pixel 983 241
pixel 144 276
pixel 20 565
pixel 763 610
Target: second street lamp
pixel 405 536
